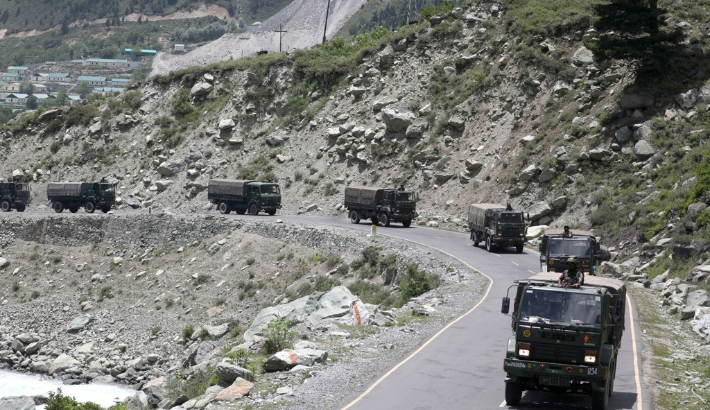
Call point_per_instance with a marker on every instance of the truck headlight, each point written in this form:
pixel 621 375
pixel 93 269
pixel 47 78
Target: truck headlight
pixel 590 356
pixel 524 349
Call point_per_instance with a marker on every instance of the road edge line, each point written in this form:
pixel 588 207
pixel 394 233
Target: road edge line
pixel 636 357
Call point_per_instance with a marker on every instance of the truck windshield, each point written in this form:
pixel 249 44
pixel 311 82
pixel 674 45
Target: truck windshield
pixel 269 189
pixel 561 308
pixel 510 218
pixel 569 247
pixel 405 196
pixel 107 187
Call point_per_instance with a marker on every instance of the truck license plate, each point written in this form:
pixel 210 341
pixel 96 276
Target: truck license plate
pixel 554 380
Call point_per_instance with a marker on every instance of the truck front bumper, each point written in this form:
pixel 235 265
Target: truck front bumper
pixel 554 374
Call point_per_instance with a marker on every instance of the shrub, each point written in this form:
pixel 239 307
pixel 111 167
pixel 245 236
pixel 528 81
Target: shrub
pixel 187 331
pixel 57 401
pixel 278 336
pixel 181 104
pixel 416 282
pixel 82 114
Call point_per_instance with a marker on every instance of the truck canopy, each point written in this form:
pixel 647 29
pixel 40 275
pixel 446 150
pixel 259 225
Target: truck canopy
pixel 614 286
pixel 364 195
pixel 227 186
pixel 560 232
pixel 64 189
pixel 477 212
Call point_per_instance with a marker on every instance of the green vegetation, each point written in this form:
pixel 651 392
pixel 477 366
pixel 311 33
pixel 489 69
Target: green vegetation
pixel 58 401
pixel 278 336
pixel 193 386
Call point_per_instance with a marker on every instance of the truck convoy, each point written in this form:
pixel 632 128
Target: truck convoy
pixel 14 194
pixel 558 245
pixel 74 195
pixel 380 205
pixel 242 196
pixel 565 339
pixel 496 226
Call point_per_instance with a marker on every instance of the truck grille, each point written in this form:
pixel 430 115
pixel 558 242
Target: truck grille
pixel 559 335
pixel 511 231
pixel 558 354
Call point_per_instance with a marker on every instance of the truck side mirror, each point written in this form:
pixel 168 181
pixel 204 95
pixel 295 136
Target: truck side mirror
pixel 505 308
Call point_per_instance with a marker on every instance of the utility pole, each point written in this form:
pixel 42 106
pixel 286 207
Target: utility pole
pixel 327 11
pixel 281 32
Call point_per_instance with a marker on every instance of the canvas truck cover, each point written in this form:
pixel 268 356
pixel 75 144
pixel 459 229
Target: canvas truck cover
pixel 477 212
pixel 614 286
pixel 363 195
pixel 63 189
pixel 227 186
pixel 560 232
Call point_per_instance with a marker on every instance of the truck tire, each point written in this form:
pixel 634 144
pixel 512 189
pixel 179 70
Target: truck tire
pixel 20 207
pixel 519 247
pixel 5 206
pixel 407 223
pixel 271 212
pixel 475 238
pixel 600 399
pixel 58 207
pixel 223 207
pixel 73 209
pixel 354 217
pixel 489 245
pixel 253 209
pixel 89 207
pixel 513 393
pixel 384 219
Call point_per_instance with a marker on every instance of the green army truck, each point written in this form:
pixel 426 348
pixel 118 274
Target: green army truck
pixel 74 195
pixel 558 245
pixel 564 339
pixel 242 196
pixel 381 205
pixel 496 226
pixel 14 194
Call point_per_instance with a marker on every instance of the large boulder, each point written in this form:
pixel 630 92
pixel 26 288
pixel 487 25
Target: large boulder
pixel 286 359
pixel 169 168
pixel 583 57
pixel 644 150
pixel 61 363
pixel 698 298
pixel 201 89
pixel 547 175
pixel 4 263
pixel 237 390
pixel 539 209
pixel 699 274
pixel 397 121
pixel 17 403
pixel 228 372
pixel 78 324
pixel 598 154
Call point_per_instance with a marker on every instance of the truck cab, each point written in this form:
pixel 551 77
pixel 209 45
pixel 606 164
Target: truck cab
pixel 558 245
pixel 14 194
pixel 564 340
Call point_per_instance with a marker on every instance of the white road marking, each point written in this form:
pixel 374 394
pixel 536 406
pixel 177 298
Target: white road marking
pixel 531 271
pixel 502 404
pixel 515 264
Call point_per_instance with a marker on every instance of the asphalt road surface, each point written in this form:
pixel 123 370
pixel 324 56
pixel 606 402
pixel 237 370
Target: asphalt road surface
pixel 461 367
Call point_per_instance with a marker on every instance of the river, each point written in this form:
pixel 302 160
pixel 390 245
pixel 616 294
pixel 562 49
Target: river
pixel 16 384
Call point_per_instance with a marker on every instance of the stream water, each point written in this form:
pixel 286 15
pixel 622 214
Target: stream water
pixel 16 384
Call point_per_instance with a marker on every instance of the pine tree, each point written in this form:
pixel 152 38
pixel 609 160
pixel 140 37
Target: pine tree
pixel 632 30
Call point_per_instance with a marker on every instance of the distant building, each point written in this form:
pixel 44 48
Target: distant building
pixel 51 77
pixel 9 77
pixel 179 49
pixel 10 87
pixel 108 90
pixel 119 82
pixel 16 98
pixel 92 81
pixel 106 62
pixel 19 70
pixel 143 52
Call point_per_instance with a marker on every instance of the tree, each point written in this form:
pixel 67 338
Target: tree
pixel 62 97
pixel 31 102
pixel 27 87
pixel 632 30
pixel 84 90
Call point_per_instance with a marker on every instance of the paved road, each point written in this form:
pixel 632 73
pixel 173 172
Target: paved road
pixel 462 367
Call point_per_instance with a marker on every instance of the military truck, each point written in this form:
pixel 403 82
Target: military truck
pixel 14 194
pixel 558 245
pixel 564 339
pixel 381 205
pixel 74 195
pixel 242 196
pixel 496 226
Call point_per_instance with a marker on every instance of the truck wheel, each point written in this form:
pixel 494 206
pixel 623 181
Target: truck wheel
pixel 223 208
pixel 489 245
pixel 513 393
pixel 354 217
pixel 73 209
pixel 89 207
pixel 105 209
pixel 20 207
pixel 253 209
pixel 384 219
pixel 58 207
pixel 271 212
pixel 407 223
pixel 475 238
pixel 5 206
pixel 600 399
pixel 519 247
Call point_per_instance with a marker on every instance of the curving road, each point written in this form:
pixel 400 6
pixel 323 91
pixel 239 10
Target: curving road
pixel 462 366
